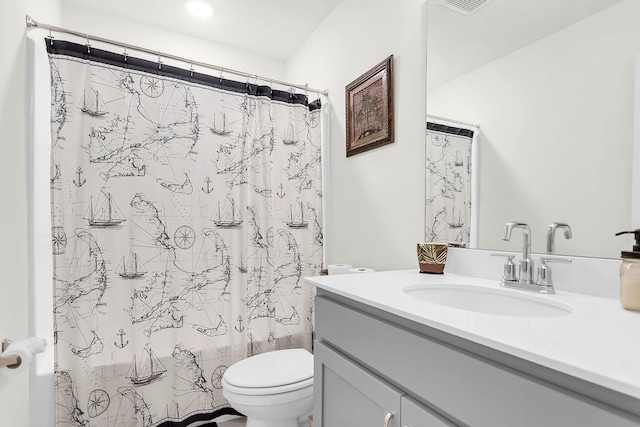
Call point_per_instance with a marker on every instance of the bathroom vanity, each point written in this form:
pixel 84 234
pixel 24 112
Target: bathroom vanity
pixel 387 357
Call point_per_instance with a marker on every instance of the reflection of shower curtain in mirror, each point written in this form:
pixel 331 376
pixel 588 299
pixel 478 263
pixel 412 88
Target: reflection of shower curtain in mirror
pixel 448 184
pixel 185 211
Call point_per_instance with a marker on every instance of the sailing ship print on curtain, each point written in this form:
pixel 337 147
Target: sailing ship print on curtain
pixel 186 209
pixel 448 184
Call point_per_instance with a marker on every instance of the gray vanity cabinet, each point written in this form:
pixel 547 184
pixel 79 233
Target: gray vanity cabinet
pixel 370 363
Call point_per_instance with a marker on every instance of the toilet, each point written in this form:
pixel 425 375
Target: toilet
pixel 272 389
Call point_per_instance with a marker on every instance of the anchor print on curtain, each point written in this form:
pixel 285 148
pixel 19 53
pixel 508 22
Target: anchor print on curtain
pixel 185 213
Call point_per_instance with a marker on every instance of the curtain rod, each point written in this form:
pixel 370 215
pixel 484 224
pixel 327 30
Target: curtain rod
pixel 33 23
pixel 444 119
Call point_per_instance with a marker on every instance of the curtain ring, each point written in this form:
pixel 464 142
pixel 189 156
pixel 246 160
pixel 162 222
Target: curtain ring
pixel 50 35
pixel 159 61
pixel 221 71
pixel 125 52
pixel 88 45
pixel 191 69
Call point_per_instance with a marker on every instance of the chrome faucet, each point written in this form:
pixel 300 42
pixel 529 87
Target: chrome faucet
pixel 526 263
pixel 551 234
pixel 523 278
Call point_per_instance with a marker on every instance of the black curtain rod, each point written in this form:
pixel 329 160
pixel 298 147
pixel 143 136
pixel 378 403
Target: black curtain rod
pixel 32 23
pixel 451 121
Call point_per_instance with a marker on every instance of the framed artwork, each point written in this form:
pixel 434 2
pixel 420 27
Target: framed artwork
pixel 369 107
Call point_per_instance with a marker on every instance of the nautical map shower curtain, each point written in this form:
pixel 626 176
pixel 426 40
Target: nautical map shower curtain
pixel 448 184
pixel 185 211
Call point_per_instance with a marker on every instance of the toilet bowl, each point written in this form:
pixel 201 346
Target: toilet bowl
pixel 272 389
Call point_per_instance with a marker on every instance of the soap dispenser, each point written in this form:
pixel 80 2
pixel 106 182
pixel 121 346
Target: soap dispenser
pixel 630 274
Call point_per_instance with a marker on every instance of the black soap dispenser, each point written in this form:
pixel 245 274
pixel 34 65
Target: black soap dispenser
pixel 630 274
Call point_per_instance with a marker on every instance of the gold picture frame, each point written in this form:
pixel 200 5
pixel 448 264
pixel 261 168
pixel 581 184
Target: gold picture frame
pixel 369 109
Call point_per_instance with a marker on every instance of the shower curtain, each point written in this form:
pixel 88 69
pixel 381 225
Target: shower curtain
pixel 186 209
pixel 449 177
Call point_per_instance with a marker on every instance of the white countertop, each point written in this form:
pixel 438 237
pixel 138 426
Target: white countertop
pixel 599 342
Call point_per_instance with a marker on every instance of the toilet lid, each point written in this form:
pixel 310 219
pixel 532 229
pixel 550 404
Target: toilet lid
pixel 273 369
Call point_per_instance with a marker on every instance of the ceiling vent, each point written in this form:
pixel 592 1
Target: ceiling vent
pixel 464 6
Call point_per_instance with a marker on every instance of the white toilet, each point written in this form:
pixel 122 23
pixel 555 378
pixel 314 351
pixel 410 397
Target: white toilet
pixel 272 389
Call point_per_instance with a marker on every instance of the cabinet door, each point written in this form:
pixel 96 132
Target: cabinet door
pixel 413 414
pixel 347 395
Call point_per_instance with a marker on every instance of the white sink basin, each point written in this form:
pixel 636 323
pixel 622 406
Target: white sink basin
pixel 489 301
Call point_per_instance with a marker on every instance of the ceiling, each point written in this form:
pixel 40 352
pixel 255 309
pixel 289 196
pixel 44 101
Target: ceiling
pixel 457 43
pixel 274 28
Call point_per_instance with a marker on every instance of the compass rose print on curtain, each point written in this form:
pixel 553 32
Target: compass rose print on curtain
pixel 185 210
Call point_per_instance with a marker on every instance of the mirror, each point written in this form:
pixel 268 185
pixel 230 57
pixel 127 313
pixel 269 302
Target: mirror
pixel 551 85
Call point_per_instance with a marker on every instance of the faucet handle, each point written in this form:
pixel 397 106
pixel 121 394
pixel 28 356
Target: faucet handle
pixel 544 272
pixel 509 273
pixel 554 258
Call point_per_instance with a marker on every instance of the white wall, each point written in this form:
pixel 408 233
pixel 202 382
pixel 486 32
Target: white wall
pixel 579 82
pixel 376 213
pixel 13 189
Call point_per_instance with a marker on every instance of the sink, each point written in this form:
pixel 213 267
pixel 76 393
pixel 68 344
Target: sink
pixel 488 301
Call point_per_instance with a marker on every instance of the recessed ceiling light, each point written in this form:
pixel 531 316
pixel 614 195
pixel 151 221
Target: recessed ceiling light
pixel 199 8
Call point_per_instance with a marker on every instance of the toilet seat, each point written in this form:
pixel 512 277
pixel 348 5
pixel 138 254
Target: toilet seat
pixel 275 372
pixel 264 391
